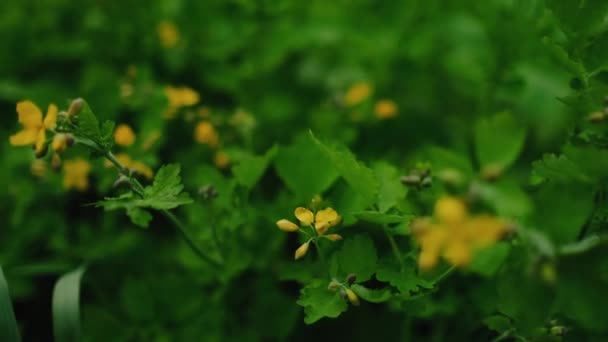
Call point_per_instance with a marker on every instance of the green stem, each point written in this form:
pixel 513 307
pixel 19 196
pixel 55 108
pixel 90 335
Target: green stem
pixel 320 252
pixel 394 246
pixel 138 188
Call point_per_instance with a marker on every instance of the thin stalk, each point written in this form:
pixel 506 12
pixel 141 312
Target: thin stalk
pixel 394 247
pixel 138 188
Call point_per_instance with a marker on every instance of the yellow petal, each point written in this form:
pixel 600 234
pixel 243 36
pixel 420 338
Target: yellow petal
pixel 458 253
pixel 305 216
pixel 24 137
pixel 427 260
pixel 60 142
pixel 450 210
pixel 333 237
pixel 327 216
pixel 287 226
pixel 51 117
pixel 301 251
pixel 40 142
pixel 30 115
pixel 385 109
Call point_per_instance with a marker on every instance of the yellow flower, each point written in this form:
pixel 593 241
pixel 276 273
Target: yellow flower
pixel 385 109
pixel 131 164
pixel 168 34
pixel 352 297
pixel 357 93
pixel 34 127
pixel 124 135
pixel 455 235
pixel 60 142
pixel 76 174
pixel 221 159
pixel 38 167
pixel 205 133
pixel 179 97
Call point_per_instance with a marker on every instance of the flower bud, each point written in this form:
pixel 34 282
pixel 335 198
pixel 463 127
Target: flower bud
pixel 56 162
pixel 208 192
pixel 410 180
pixel 334 285
pixel 302 250
pixel 60 142
pixel 596 117
pixel 558 330
pixel 491 172
pixel 41 150
pixel 427 182
pixel 351 278
pixel 75 107
pixel 287 226
pixel 333 237
pixel 352 297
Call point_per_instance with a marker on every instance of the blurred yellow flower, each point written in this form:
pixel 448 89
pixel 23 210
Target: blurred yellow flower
pixel 385 109
pixel 38 167
pixel 76 174
pixel 131 164
pixel 34 127
pixel 454 234
pixel 357 93
pixel 179 97
pixel 221 160
pixel 124 135
pixel 168 34
pixel 205 133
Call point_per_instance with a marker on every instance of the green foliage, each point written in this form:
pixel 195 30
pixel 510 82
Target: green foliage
pixel 319 302
pixel 8 325
pixel 499 140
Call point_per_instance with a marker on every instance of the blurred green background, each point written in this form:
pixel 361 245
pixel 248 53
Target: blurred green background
pixel 386 78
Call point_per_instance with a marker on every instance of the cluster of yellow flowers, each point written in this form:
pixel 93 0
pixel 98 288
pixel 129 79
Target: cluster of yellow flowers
pixel 454 234
pixel 314 225
pixel 179 97
pixel 361 91
pixel 124 136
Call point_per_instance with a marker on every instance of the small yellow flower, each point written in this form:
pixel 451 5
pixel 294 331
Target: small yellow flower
pixel 124 135
pixel 179 97
pixel 131 164
pixel 385 109
pixel 357 93
pixel 221 160
pixel 455 235
pixel 34 127
pixel 38 167
pixel 76 174
pixel 60 142
pixel 302 250
pixel 168 34
pixel 205 133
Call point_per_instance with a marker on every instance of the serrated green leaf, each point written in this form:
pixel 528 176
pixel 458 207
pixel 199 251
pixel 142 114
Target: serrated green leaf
pixel 319 302
pixel 558 169
pixel 66 306
pixel 405 280
pixel 359 177
pixel 88 125
pixel 390 191
pixel 378 217
pixel 358 256
pixel 294 162
pixel 251 168
pixel 107 135
pixel 498 140
pixel 166 190
pixel 372 296
pixel 139 216
pixel 9 331
pixel 507 198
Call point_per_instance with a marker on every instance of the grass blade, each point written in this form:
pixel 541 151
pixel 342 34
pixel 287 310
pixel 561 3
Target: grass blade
pixel 9 331
pixel 66 306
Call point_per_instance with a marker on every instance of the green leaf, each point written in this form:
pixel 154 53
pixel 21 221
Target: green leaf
pixel 107 135
pixel 562 210
pixel 319 302
pixel 390 191
pixel 373 296
pixel 358 256
pixel 379 218
pixel 507 198
pixel 293 164
pixel 498 323
pixel 558 169
pixel 9 331
pixel 498 140
pixel 442 159
pixel 250 168
pixel 66 306
pixel 139 216
pixel 488 261
pixel 580 16
pixel 405 280
pixel 88 125
pixel 359 177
